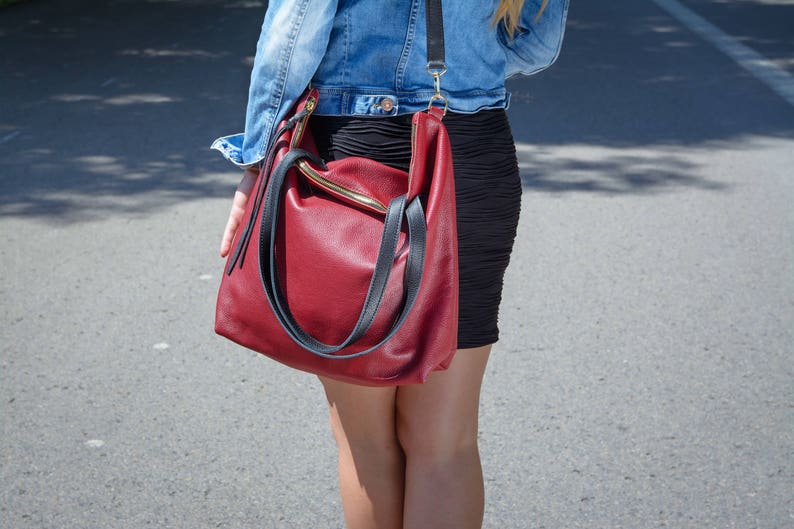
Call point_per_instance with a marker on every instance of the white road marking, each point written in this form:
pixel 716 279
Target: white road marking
pixel 95 443
pixel 162 346
pixel 10 136
pixel 776 78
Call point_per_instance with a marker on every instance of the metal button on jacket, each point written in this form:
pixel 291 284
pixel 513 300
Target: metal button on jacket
pixel 387 104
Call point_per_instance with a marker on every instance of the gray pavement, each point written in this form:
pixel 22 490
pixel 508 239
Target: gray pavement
pixel 644 378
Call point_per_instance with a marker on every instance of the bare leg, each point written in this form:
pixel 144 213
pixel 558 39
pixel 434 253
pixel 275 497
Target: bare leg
pixel 371 462
pixel 437 429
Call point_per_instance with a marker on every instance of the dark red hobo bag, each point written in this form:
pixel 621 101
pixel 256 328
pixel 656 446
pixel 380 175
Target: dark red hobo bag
pixel 353 272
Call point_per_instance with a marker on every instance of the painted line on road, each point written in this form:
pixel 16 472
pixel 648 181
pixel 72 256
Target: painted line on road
pixel 10 136
pixel 776 78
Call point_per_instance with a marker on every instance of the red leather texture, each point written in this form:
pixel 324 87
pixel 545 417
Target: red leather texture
pixel 326 250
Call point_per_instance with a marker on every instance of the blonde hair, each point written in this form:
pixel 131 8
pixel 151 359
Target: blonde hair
pixel 509 13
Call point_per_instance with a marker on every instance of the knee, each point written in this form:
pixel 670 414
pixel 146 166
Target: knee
pixel 438 441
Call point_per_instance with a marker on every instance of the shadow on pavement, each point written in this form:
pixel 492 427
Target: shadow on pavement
pixel 109 107
pixel 632 80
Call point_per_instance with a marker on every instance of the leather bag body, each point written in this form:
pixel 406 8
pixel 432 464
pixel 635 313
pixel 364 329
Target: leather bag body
pixel 299 287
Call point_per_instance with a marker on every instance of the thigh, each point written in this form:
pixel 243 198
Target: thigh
pixel 441 414
pixel 361 415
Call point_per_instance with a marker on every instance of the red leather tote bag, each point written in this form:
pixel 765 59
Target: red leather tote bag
pixel 348 269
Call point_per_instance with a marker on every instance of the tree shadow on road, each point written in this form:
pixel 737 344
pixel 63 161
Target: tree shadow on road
pixel 110 107
pixel 629 82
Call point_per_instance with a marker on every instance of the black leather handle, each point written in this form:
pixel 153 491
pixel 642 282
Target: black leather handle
pixel 397 211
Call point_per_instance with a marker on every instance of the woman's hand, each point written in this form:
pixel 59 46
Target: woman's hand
pixel 238 208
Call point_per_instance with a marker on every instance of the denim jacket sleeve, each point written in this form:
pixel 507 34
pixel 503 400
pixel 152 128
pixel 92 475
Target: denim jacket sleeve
pixel 291 45
pixel 537 42
pixel 293 41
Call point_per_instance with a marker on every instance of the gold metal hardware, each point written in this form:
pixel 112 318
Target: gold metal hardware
pixel 311 104
pixel 436 73
pixel 439 97
pixel 359 198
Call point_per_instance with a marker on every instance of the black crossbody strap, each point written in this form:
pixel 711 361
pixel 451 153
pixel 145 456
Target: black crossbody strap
pixel 435 35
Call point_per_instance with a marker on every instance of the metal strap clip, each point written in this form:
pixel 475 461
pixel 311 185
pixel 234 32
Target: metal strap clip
pixel 436 72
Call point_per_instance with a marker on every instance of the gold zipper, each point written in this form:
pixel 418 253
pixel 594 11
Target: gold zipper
pixel 413 150
pixel 311 103
pixel 359 198
pixel 310 173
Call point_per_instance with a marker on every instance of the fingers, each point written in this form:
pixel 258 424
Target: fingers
pixel 238 208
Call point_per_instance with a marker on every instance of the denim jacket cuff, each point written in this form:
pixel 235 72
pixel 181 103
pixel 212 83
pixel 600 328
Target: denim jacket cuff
pixel 231 147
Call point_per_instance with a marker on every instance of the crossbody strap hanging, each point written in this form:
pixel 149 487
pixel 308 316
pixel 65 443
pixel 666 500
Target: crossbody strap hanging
pixel 436 59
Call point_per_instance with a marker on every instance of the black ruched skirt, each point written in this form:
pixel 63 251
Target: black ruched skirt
pixel 488 192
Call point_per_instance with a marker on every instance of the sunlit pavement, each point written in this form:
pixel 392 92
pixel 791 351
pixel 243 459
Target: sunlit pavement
pixel 644 375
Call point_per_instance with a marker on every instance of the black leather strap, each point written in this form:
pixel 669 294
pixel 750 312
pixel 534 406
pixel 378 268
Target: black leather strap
pixel 245 237
pixel 435 35
pixel 413 214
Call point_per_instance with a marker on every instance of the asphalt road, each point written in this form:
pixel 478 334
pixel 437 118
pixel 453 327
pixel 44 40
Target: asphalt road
pixel 645 375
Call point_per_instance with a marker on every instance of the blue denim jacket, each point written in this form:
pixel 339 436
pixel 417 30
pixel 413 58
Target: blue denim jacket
pixel 368 58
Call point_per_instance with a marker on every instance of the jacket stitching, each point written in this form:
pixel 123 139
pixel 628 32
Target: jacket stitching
pixel 399 77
